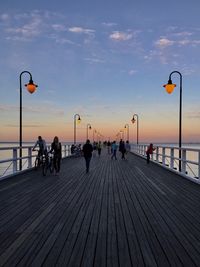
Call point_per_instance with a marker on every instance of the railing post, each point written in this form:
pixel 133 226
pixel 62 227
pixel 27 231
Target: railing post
pixel 172 158
pixel 157 152
pixel 183 161
pixel 163 155
pixel 29 157
pixel 14 160
pixel 199 165
pixel 65 146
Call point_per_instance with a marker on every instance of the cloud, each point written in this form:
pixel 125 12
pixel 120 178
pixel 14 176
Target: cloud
pixel 164 42
pixel 94 60
pixel 4 17
pixel 26 125
pixel 194 115
pixel 120 36
pixel 81 30
pixel 132 72
pixel 27 31
pixel 109 24
pixel 59 27
pixel 45 108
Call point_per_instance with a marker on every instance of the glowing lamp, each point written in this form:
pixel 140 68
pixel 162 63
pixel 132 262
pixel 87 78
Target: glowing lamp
pixel 133 120
pixel 169 87
pixel 31 87
pixel 79 120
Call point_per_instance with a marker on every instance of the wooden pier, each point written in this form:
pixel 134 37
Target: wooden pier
pixel 122 213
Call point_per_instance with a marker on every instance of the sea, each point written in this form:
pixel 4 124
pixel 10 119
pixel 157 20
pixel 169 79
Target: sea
pixel 6 168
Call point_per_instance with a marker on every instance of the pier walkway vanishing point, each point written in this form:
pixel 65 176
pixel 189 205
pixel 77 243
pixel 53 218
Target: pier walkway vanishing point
pixel 123 213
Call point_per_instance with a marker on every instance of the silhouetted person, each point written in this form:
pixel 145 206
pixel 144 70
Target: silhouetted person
pixel 56 148
pixel 149 152
pixel 122 148
pixel 87 152
pixel 42 146
pixel 114 150
pixel 99 146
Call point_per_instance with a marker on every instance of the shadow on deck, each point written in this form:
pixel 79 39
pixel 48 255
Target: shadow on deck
pixel 123 213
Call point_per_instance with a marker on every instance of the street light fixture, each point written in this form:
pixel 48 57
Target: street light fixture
pixel 31 87
pixel 133 121
pixel 122 134
pixel 88 127
pixel 78 120
pixel 169 88
pixel 127 127
pixel 94 131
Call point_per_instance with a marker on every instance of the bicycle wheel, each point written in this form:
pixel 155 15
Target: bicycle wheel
pixel 44 168
pixel 37 163
pixel 51 167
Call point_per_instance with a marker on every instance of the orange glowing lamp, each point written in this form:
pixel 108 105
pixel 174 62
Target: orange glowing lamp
pixel 31 87
pixel 169 87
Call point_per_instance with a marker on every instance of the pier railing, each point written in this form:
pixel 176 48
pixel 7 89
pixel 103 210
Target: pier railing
pixel 10 164
pixel 168 157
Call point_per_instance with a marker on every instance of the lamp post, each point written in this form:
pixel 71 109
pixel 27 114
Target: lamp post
pixel 31 87
pixel 169 88
pixel 127 127
pixel 88 127
pixel 79 120
pixel 94 131
pixel 133 121
pixel 122 134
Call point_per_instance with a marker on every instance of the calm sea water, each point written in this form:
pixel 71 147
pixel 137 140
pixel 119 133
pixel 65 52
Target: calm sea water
pixel 7 154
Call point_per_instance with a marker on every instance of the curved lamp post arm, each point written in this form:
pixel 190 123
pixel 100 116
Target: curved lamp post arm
pixel 180 113
pixel 31 88
pixel 133 120
pixel 127 127
pixel 88 127
pixel 79 118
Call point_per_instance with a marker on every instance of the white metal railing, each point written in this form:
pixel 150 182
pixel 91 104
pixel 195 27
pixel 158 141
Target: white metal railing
pixel 9 165
pixel 168 156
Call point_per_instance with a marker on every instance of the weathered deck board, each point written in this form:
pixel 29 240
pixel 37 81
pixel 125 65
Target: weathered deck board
pixel 123 213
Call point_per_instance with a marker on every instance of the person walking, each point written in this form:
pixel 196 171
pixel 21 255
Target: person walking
pixel 114 150
pixel 122 148
pixel 127 147
pixel 87 152
pixel 56 148
pixel 99 146
pixel 149 152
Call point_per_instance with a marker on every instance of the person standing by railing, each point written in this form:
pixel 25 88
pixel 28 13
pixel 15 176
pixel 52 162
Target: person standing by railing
pixel 149 152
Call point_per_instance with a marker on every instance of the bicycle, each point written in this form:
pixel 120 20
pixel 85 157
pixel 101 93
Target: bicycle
pixel 38 160
pixel 47 163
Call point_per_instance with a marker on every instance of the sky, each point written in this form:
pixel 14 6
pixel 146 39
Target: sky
pixel 104 60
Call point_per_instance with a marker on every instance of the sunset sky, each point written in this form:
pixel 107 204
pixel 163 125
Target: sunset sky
pixel 104 60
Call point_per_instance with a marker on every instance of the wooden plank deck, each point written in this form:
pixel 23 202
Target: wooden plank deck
pixel 123 213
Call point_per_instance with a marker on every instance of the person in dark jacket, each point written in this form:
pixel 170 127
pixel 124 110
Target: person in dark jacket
pixel 87 152
pixel 56 148
pixel 150 152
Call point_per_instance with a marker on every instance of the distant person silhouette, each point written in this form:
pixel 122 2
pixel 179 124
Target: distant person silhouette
pixel 87 152
pixel 122 148
pixel 149 152
pixel 114 150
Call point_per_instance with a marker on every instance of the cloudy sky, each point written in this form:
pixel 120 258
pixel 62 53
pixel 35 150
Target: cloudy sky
pixel 104 60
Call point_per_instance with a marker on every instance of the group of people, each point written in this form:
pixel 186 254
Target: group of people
pixel 56 149
pixel 88 148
